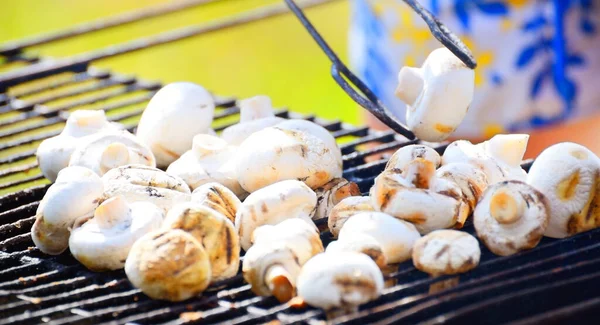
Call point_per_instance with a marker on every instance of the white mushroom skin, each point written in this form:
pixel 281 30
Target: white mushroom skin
pixel 345 209
pixel 106 150
pixel 403 156
pixel 174 115
pixel 218 198
pixel 360 243
pixel 446 252
pixel 103 242
pixel 214 231
pixel 396 237
pixel 499 158
pixel 438 95
pixel 256 113
pixel 53 154
pixel 211 159
pixel 297 233
pixel 471 180
pixel 331 194
pixel 75 194
pixel 168 265
pixel 339 280
pixel 273 204
pixel 568 175
pixel 142 183
pixel 510 217
pixel 291 150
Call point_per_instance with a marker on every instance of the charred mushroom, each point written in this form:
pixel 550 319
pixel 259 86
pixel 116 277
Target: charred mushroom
pixel 403 156
pixel 345 209
pixel 331 194
pixel 568 175
pixel 511 216
pixel 168 264
pixel 103 242
pixel 175 114
pixel 446 252
pixel 75 194
pixel 438 95
pixel 218 198
pixel 256 113
pixel 471 180
pixel 360 243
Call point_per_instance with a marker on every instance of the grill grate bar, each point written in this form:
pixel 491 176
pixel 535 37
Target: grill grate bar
pixel 89 74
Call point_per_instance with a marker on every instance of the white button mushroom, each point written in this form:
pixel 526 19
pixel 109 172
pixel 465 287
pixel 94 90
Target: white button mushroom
pixel 256 113
pixel 511 216
pixel 272 264
pixel 53 154
pixel 446 252
pixel 471 180
pixel 106 150
pixel 271 205
pixel 346 209
pixel 174 115
pixel 142 183
pixel 331 194
pixel 568 174
pixel 499 158
pixel 103 242
pixel 75 194
pixel 218 198
pixel 210 160
pixel 417 196
pixel 396 237
pixel 437 95
pixel 293 149
pixel 168 265
pixel 339 280
pixel 403 156
pixel 361 243
pixel 214 231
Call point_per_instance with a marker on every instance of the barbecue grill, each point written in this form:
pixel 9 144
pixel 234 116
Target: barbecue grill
pixel 557 282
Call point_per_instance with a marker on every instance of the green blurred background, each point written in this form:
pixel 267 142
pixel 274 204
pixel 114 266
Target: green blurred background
pixel 275 56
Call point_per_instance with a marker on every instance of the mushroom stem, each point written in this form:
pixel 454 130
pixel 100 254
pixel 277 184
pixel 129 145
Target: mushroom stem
pixel 508 147
pixel 505 207
pixel 255 108
pixel 279 282
pixel 87 118
pixel 205 144
pixel 115 155
pixel 419 172
pixel 111 212
pixel 410 84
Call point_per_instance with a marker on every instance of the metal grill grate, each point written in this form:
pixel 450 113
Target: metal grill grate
pixel 556 282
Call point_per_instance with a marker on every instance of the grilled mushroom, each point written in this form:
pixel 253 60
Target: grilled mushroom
pixel 511 216
pixel 214 231
pixel 361 243
pixel 446 252
pixel 403 156
pixel 471 180
pixel 175 114
pixel 273 204
pixel 272 264
pixel 498 158
pixel 210 160
pixel 218 198
pixel 141 183
pixel 54 153
pixel 256 113
pixel 293 149
pixel 339 280
pixel 417 196
pixel 106 150
pixel 345 209
pixel 331 194
pixel 168 264
pixel 75 194
pixel 103 242
pixel 438 94
pixel 568 174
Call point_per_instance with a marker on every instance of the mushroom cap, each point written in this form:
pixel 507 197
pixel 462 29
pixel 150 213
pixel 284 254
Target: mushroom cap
pixel 290 150
pixel 341 279
pixel 438 94
pixel 446 252
pixel 271 205
pixel 510 217
pixel 346 209
pixel 75 194
pixel 237 133
pixel 142 183
pixel 403 156
pixel 568 176
pixel 471 180
pixel 106 150
pixel 168 264
pixel 332 193
pixel 300 235
pixel 214 231
pixel 360 243
pixel 103 242
pixel 395 236
pixel 174 115
pixel 218 198
pixel 211 159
